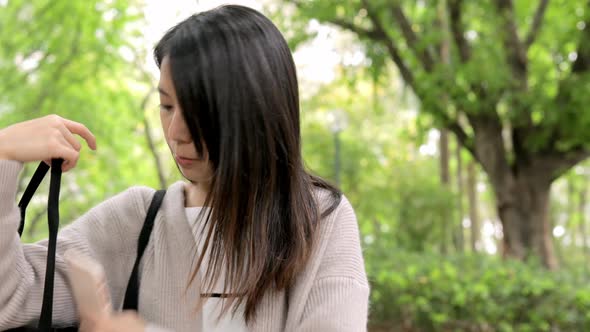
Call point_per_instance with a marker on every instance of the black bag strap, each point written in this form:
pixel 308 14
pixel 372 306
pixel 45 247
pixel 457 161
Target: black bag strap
pixel 132 292
pixel 53 223
pixel 29 191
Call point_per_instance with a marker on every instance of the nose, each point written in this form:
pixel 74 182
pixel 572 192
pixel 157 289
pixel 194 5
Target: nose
pixel 178 130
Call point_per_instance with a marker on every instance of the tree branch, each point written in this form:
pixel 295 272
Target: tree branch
pixel 582 63
pixel 536 25
pixel 515 51
pixel 410 37
pixel 73 53
pixel 378 33
pixel 146 78
pixel 462 137
pixel 19 79
pixel 516 57
pixel 362 32
pixel 556 164
pixel 519 137
pixel 345 24
pixel 489 146
pixel 150 140
pixel 394 52
pixel 456 17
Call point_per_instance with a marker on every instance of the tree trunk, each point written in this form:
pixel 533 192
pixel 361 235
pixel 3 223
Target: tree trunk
pixel 459 236
pixel 582 224
pixel 445 175
pixel 473 210
pixel 445 179
pixel 524 213
pixel 522 190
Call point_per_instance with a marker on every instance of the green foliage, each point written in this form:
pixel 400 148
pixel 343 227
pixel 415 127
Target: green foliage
pixel 292 25
pixel 75 59
pixel 431 292
pixel 569 201
pixel 509 80
pixel 421 203
pixel 74 66
pixel 549 59
pixel 395 191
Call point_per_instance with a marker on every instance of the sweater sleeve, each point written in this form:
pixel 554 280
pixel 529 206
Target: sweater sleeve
pixel 108 233
pixel 339 296
pixel 155 328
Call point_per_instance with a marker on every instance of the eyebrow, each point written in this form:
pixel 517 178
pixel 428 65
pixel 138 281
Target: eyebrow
pixel 163 92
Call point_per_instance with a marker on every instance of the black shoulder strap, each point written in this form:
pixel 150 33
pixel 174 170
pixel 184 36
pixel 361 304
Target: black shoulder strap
pixel 132 293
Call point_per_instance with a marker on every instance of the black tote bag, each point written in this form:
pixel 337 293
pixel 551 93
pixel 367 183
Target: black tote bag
pixel 132 291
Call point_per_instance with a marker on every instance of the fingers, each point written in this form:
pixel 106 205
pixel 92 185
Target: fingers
pixel 67 134
pixel 60 147
pixel 81 130
pixel 128 314
pixel 68 153
pixel 67 146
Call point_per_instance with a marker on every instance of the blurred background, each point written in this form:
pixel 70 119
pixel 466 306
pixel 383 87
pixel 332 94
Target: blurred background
pixel 458 129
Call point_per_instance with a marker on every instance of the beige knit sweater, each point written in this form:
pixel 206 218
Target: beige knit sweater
pixel 330 295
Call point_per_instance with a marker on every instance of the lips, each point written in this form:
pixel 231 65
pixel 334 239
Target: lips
pixel 187 158
pixel 185 162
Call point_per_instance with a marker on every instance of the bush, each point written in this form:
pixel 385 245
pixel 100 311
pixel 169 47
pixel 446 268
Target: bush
pixel 431 292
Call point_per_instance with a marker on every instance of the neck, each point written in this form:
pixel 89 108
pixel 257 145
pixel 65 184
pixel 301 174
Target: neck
pixel 195 194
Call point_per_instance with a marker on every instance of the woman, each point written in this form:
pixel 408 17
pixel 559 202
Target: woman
pixel 279 247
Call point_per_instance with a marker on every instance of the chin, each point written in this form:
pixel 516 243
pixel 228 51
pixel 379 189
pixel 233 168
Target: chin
pixel 192 177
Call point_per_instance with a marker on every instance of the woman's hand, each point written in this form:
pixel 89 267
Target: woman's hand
pixel 45 139
pixel 126 321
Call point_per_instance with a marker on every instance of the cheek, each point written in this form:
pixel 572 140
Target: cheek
pixel 165 121
pixel 201 172
pixel 204 169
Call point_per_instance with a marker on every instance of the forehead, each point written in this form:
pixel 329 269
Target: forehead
pixel 165 76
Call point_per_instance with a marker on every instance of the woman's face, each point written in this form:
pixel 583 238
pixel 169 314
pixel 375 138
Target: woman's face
pixel 194 167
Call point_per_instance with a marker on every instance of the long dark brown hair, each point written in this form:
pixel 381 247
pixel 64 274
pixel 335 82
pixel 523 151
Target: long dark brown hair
pixel 236 83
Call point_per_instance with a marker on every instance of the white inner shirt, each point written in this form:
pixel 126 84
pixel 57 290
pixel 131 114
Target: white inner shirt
pixel 213 306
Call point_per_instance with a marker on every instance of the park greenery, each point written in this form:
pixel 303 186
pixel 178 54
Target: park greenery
pixel 458 132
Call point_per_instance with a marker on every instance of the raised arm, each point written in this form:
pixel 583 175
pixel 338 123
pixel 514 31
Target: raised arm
pixel 108 233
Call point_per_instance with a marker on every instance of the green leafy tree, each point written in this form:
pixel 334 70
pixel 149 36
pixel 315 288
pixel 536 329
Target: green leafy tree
pixel 395 191
pixel 509 78
pixel 77 59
